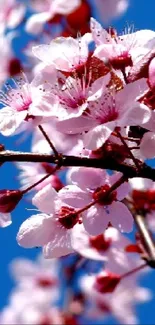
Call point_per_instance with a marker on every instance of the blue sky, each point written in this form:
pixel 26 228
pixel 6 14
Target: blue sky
pixel 141 14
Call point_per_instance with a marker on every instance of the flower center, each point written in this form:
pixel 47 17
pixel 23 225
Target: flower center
pixel 44 282
pixel 102 197
pixel 121 61
pixel 99 243
pixel 68 217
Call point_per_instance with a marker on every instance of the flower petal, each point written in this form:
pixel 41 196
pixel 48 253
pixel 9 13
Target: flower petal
pixel 96 137
pixel 147 146
pixel 59 245
pixel 44 199
pixel 10 120
pixel 121 217
pixel 35 231
pixel 95 220
pixel 90 178
pixel 5 219
pixel 74 196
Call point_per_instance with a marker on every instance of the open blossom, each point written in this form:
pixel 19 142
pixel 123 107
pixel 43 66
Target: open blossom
pixel 41 274
pixel 22 102
pixel 94 184
pixel 47 10
pixel 120 304
pixel 39 278
pixel 121 51
pixel 73 53
pixel 110 110
pixel 109 246
pixel 53 229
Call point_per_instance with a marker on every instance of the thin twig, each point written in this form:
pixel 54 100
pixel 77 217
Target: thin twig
pixel 129 151
pixel 48 140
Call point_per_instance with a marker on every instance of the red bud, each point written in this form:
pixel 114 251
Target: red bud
pixel 9 199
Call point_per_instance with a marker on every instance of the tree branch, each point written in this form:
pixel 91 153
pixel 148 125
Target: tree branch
pixel 72 161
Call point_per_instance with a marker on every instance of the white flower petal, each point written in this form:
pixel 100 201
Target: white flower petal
pixel 95 220
pixel 96 137
pixel 59 245
pixel 36 231
pixel 74 196
pixel 120 217
pixel 5 220
pixel 44 199
pixel 147 145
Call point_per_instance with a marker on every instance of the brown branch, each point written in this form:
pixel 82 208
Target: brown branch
pixel 72 161
pixel 146 238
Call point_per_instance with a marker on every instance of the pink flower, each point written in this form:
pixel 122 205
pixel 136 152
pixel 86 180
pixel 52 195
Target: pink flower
pixel 22 103
pixel 94 184
pixel 53 229
pixel 147 145
pixel 40 274
pixel 46 12
pixel 72 52
pixel 124 51
pixel 103 247
pixel 111 109
pixel 120 304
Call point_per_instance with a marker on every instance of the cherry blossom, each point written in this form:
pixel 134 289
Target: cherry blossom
pixel 72 52
pixel 122 51
pixel 47 10
pixel 21 103
pixel 120 303
pixel 110 110
pixel 94 184
pixel 53 229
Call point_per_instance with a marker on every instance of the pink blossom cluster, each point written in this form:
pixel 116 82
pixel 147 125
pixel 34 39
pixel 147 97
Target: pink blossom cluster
pixel 85 95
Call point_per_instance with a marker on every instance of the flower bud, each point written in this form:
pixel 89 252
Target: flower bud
pixel 9 199
pixel 107 282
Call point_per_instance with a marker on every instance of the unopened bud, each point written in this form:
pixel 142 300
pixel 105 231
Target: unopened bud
pixel 107 282
pixel 9 199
